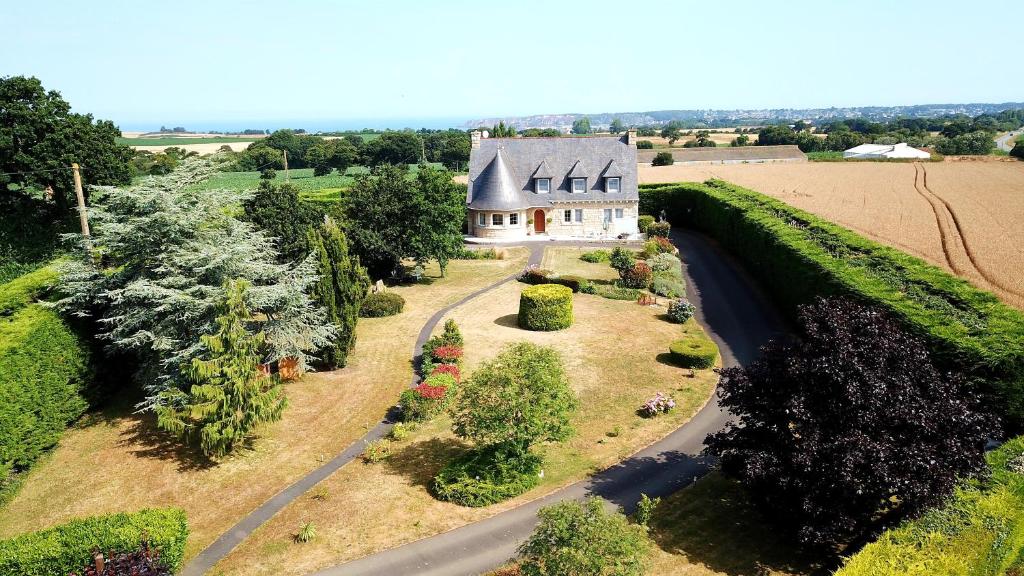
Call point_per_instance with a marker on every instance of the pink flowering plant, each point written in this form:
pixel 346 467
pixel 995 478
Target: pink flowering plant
pixel 659 404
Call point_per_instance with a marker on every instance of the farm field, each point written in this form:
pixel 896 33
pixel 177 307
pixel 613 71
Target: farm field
pixel 312 187
pixel 719 138
pixel 326 412
pixel 387 504
pixel 964 216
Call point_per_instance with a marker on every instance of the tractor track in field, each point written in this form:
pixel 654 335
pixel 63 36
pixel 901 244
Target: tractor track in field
pixel 951 234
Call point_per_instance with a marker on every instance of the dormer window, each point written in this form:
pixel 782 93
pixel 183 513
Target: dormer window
pixel 612 185
pixel 579 185
pixel 543 185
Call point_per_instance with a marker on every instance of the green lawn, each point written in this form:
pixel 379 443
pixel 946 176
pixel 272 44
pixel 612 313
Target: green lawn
pixel 302 178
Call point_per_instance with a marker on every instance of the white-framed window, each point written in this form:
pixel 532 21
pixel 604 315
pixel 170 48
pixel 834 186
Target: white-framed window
pixel 612 185
pixel 618 213
pixel 579 215
pixel 543 185
pixel 579 185
pixel 567 216
pixel 607 214
pixel 497 219
pixel 513 219
pixel 481 219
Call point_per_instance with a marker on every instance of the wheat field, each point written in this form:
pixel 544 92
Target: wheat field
pixel 967 216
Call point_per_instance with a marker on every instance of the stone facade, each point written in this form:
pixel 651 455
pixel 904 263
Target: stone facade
pixel 588 223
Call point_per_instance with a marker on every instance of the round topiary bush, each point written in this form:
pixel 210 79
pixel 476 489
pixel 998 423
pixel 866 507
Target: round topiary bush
pixel 381 304
pixel 694 352
pixel 545 307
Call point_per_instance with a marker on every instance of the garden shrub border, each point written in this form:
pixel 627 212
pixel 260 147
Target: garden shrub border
pixel 69 547
pixel 798 256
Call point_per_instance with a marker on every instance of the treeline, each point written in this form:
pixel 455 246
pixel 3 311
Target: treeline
pixel 956 134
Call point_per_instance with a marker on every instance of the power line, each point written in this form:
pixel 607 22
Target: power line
pixel 34 171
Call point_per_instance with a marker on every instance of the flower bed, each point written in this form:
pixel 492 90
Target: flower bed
pixel 659 404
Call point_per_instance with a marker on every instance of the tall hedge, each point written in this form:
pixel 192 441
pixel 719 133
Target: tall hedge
pixel 69 547
pixel 545 307
pixel 798 256
pixel 978 532
pixel 43 368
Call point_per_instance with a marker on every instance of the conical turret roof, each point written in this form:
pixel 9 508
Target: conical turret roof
pixel 496 189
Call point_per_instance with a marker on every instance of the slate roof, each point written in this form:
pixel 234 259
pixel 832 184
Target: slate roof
pixel 524 159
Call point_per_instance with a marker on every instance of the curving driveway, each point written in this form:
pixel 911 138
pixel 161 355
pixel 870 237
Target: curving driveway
pixel 734 314
pixel 1003 142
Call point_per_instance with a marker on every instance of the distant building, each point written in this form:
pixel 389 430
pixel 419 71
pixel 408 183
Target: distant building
pixel 729 155
pixel 876 151
pixel 581 187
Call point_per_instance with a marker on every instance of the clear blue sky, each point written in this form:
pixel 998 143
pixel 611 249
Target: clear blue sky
pixel 188 62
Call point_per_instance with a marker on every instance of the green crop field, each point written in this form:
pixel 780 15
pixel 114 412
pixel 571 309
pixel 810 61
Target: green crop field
pixel 176 141
pixel 320 188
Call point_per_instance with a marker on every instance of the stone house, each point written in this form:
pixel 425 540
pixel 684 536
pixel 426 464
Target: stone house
pixel 578 187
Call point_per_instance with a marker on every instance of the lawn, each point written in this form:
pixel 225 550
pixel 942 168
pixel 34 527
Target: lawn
pixel 115 460
pixel 364 508
pixel 566 261
pixel 712 528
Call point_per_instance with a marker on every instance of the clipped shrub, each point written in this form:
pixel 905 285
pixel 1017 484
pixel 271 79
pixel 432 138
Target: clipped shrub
pixel 534 275
pixel 380 304
pixel 447 354
pixel 486 476
pixel 694 352
pixel 680 310
pixel 545 307
pixel 45 369
pixel 451 335
pixel 643 222
pixel 26 289
pixel 449 369
pixel 667 287
pixel 639 276
pixel 644 145
pixel 658 404
pixel 427 399
pixel 574 283
pixel 798 256
pixel 659 229
pixel 613 292
pixel 596 256
pixel 68 547
pixel 663 159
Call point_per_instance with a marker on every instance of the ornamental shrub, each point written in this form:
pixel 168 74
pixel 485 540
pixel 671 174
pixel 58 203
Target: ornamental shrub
pixel 622 259
pixel 663 159
pixel 680 310
pixel 447 354
pixel 487 475
pixel 451 335
pixel 694 352
pixel 596 256
pixel 613 292
pixel 574 283
pixel 535 275
pixel 428 399
pixel 380 304
pixel 667 287
pixel 664 262
pixel 68 547
pixel 639 276
pixel 643 222
pixel 659 404
pixel 545 307
pixel 657 229
pixel 377 451
pixel 644 145
pixel 449 369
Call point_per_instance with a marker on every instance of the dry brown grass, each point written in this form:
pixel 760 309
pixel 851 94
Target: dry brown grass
pixel 965 216
pixel 718 138
pixel 115 460
pixel 566 261
pixel 371 507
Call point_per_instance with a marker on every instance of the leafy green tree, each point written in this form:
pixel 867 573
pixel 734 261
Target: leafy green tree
pixel 341 289
pixel 168 249
pixel 616 126
pixel 701 140
pixel 576 538
pixel 398 148
pixel 581 126
pixel 40 138
pixel 519 398
pixel 1018 148
pixel 320 158
pixel 277 210
pixel 844 140
pixel 663 159
pixel 741 140
pixel 971 143
pixel 229 397
pixel 259 156
pixel 441 215
pixel 344 155
pixel 672 132
pixel 541 132
pixel 501 130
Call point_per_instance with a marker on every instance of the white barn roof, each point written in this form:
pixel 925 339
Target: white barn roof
pixel 900 150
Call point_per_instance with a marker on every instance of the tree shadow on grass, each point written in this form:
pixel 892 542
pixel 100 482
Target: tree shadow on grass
pixel 145 440
pixel 421 461
pixel 508 321
pixel 714 523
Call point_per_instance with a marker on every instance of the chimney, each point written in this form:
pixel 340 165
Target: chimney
pixel 631 137
pixel 474 139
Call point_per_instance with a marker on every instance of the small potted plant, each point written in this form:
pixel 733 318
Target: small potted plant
pixel 529 226
pixel 548 220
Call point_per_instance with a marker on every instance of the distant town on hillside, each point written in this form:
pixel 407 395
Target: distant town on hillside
pixel 745 117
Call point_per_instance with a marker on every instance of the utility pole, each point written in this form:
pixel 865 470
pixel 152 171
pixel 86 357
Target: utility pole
pixel 83 217
pixel 286 179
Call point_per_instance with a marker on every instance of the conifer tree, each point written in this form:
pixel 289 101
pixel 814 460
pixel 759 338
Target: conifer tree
pixel 341 289
pixel 229 396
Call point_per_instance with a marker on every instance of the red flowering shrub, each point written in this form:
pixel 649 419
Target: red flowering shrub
pixel 639 276
pixel 664 246
pixel 449 369
pixel 432 392
pixel 428 398
pixel 448 354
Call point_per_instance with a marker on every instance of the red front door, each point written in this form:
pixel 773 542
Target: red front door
pixel 538 221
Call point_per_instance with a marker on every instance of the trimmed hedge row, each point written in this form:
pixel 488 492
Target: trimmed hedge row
pixel 694 352
pixel 69 547
pixel 798 256
pixel 545 307
pixel 978 532
pixel 381 304
pixel 45 369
